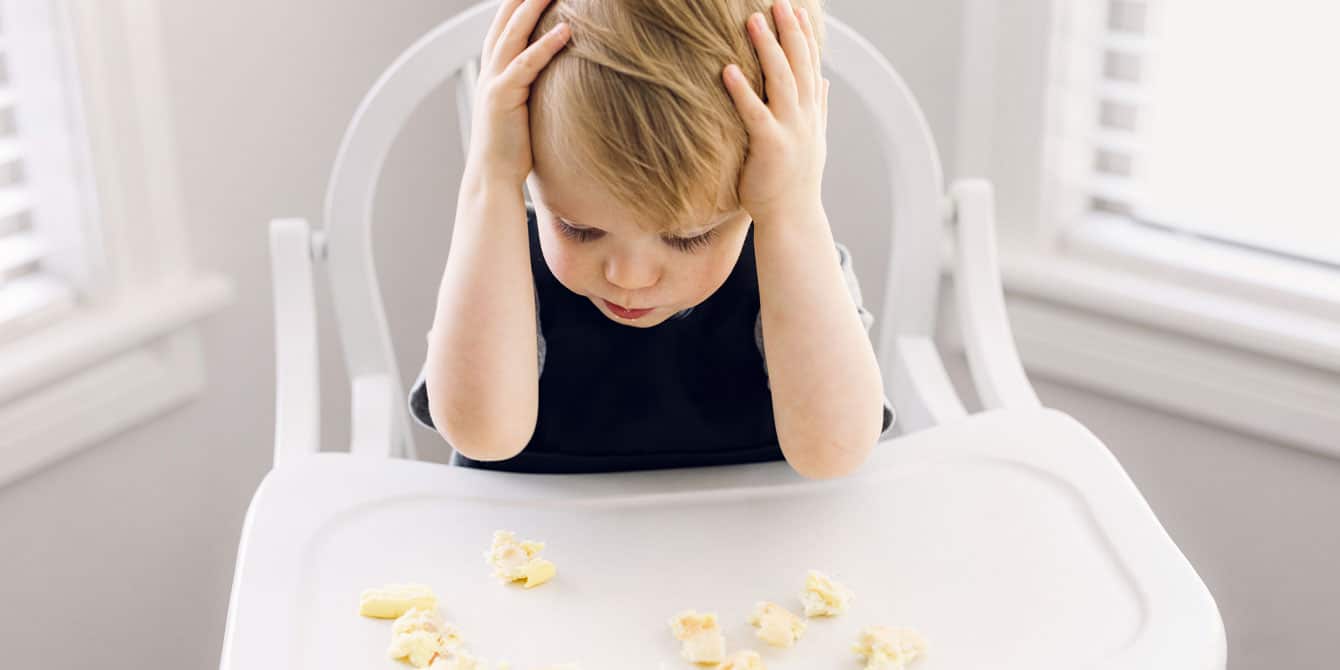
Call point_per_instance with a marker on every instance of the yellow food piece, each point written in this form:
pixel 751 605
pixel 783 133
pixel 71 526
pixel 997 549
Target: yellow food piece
pixel 419 637
pixel 418 648
pixel 743 660
pixel 701 635
pixel 507 555
pixel 777 626
pixel 515 561
pixel 823 596
pixel 888 648
pixel 392 600
pixel 690 623
pixel 427 620
pixel 537 571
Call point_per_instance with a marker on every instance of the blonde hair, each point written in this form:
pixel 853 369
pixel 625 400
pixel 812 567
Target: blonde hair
pixel 636 102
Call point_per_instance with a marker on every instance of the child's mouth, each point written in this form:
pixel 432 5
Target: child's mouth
pixel 625 313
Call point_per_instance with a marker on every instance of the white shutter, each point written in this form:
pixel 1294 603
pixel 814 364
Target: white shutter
pixel 44 199
pixel 1102 93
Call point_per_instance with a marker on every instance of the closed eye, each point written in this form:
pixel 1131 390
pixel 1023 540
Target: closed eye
pixel 577 234
pixel 684 244
pixel 692 244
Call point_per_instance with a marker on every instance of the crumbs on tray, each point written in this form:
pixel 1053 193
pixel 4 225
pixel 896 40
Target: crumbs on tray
pixel 421 637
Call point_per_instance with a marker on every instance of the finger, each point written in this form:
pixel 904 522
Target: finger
pixel 523 69
pixel 519 27
pixel 802 19
pixel 751 108
pixel 795 46
pixel 815 57
pixel 505 9
pixel 778 80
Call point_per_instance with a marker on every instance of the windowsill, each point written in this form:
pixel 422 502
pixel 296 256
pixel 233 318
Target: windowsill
pixel 1289 284
pixel 90 375
pixel 1243 340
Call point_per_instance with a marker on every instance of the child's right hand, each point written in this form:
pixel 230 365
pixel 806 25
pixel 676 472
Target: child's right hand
pixel 500 150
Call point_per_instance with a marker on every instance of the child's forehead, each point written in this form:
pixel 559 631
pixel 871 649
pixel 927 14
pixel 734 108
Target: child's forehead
pixel 589 183
pixel 583 201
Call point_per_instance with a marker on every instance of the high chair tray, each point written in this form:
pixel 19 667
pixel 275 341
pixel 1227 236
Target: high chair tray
pixel 1009 540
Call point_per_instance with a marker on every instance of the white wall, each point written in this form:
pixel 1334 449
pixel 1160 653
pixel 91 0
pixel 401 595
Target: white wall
pixel 129 547
pixel 132 543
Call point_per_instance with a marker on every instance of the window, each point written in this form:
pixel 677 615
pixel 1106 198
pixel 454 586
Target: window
pixel 1211 119
pixel 46 201
pixel 99 299
pixel 1163 171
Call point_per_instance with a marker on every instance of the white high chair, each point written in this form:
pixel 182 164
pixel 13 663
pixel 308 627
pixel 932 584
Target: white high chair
pixel 1010 538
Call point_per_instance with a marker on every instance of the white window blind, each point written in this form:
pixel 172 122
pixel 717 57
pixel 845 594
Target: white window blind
pixel 1208 118
pixel 46 201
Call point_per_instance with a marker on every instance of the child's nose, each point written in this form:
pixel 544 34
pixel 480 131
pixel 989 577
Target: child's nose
pixel 631 272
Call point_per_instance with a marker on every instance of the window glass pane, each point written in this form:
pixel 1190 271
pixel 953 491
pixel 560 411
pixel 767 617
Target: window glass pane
pixel 1243 127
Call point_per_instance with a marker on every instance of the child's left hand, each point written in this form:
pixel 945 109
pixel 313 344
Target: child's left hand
pixel 787 145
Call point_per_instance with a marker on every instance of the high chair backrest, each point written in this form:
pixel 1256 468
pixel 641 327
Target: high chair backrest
pixel 451 52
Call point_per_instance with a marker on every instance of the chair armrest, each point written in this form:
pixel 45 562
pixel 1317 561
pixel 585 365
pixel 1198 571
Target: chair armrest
pixel 921 390
pixel 371 413
pixel 297 375
pixel 996 369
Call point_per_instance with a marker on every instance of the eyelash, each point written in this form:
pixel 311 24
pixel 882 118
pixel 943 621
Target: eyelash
pixel 685 244
pixel 577 234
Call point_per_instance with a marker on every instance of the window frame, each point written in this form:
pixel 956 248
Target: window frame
pixel 61 389
pixel 40 72
pixel 1071 276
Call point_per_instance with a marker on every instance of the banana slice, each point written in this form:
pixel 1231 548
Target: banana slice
pixel 393 600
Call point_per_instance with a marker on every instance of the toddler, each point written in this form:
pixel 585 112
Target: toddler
pixel 675 297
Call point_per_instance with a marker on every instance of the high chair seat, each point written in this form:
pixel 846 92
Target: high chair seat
pixel 1011 539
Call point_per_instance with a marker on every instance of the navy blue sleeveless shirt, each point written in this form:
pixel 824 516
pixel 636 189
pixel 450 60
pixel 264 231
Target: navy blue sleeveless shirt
pixel 691 391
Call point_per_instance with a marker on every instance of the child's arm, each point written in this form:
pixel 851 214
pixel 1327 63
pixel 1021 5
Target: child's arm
pixel 482 366
pixel 826 389
pixel 827 395
pixel 482 371
pixel 889 416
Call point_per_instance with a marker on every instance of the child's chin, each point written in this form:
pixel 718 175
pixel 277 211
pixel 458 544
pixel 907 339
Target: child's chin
pixel 655 318
pixel 649 321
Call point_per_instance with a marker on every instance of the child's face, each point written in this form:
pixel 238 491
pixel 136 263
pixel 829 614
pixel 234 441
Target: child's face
pixel 596 249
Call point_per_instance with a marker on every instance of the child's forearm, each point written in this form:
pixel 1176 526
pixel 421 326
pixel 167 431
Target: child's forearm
pixel 826 390
pixel 482 369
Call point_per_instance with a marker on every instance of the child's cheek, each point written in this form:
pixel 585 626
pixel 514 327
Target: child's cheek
pixel 720 268
pixel 564 263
